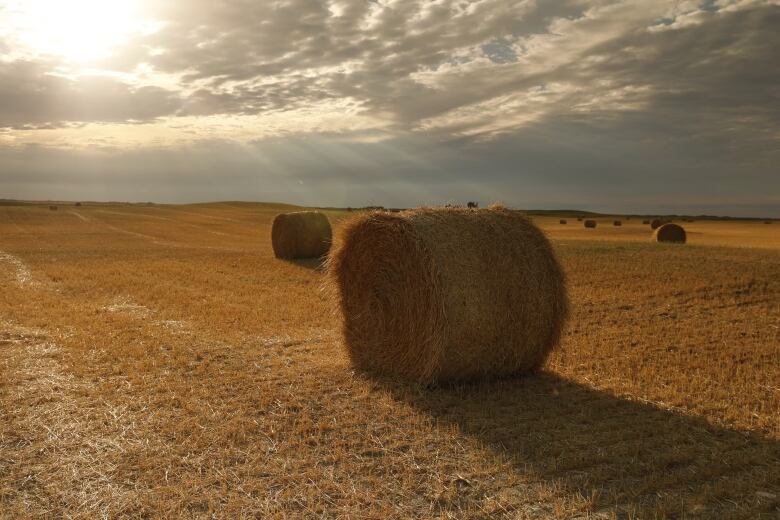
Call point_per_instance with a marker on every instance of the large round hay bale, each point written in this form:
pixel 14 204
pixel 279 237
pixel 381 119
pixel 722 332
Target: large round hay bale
pixel 563 221
pixel 303 234
pixel 617 223
pixel 590 223
pixel 670 233
pixel 656 223
pixel 447 294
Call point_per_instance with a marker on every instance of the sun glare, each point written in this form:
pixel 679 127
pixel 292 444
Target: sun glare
pixel 77 30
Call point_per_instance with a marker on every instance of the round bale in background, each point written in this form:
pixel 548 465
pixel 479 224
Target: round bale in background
pixel 563 221
pixel 590 223
pixel 670 233
pixel 303 234
pixel 617 223
pixel 450 294
pixel 656 223
pixel 645 222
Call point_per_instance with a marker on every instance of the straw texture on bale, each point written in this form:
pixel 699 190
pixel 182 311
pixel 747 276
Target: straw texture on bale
pixel 617 223
pixel 450 294
pixel 590 223
pixel 670 233
pixel 563 221
pixel 303 234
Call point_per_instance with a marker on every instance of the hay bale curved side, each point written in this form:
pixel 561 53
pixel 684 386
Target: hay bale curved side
pixel 302 234
pixel 447 294
pixel 670 233
pixel 590 223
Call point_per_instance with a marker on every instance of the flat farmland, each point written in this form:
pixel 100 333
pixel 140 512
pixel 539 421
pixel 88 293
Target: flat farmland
pixel 158 361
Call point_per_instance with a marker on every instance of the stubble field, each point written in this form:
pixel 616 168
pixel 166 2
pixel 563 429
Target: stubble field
pixel 158 361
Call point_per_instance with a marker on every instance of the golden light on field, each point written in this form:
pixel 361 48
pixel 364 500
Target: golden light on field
pixel 78 31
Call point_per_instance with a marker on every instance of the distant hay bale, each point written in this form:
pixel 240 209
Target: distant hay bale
pixel 563 221
pixel 302 234
pixel 579 219
pixel 78 204
pixel 53 208
pixel 767 222
pixel 617 223
pixel 447 294
pixel 645 222
pixel 590 223
pixel 670 233
pixel 656 223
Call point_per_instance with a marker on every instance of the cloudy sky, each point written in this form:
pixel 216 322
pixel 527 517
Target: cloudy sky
pixel 641 106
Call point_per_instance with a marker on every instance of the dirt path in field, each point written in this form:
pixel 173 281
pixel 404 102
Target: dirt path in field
pixel 79 215
pixel 21 273
pixel 168 219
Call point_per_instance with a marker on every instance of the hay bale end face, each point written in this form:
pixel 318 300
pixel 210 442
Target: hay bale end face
pixel 303 234
pixel 437 295
pixel 617 223
pixel 670 233
pixel 590 223
pixel 563 221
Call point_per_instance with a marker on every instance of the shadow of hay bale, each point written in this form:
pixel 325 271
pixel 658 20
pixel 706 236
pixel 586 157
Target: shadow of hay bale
pixel 579 439
pixel 315 264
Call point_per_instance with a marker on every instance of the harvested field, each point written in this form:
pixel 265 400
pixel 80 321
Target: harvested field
pixel 159 361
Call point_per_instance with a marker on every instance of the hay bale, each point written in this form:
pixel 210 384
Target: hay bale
pixel 563 221
pixel 590 223
pixel 302 234
pixel 670 233
pixel 617 223
pixel 447 294
pixel 656 223
pixel 645 222
pixel 579 219
pixel 767 222
pixel 78 204
pixel 53 208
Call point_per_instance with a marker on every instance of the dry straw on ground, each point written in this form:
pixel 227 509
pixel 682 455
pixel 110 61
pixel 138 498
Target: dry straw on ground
pixel 303 234
pixel 590 223
pixel 448 294
pixel 670 233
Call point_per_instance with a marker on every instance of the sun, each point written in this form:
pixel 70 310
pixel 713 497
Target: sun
pixel 75 30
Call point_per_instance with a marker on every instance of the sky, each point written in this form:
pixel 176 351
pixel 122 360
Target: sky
pixel 616 106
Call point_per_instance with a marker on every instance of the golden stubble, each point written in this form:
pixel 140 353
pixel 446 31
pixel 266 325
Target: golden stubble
pixel 158 361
